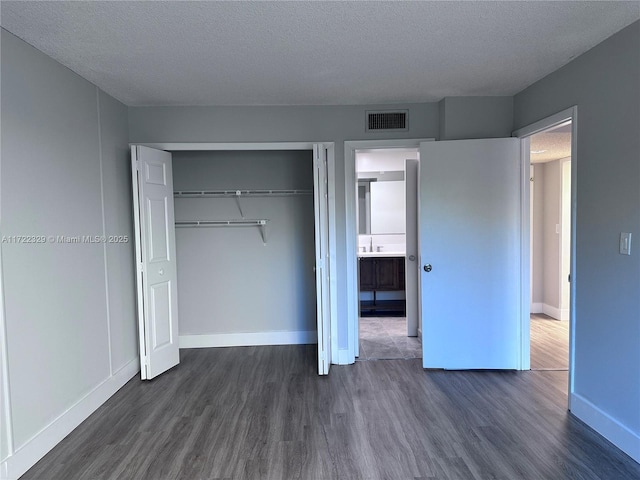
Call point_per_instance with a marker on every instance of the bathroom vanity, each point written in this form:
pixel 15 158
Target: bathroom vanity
pixel 383 275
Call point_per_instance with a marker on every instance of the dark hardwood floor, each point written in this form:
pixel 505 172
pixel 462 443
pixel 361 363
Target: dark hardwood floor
pixel 263 412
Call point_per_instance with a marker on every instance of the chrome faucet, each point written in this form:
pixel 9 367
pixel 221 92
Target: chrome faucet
pixel 371 244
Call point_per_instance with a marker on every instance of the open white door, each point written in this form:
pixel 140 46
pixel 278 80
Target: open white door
pixel 156 260
pixel 412 265
pixel 321 202
pixel 470 229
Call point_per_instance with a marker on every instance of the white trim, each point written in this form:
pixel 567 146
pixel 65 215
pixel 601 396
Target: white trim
pixel 351 230
pixel 524 332
pixel 7 417
pixel 572 268
pixel 176 147
pixel 552 311
pixel 607 426
pixel 36 447
pixel 563 311
pixel 536 307
pixel 555 312
pixel 333 248
pixel 247 339
pixel 546 123
pixel 536 127
pixel 137 234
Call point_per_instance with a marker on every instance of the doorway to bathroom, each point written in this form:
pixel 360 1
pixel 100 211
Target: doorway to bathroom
pixel 386 216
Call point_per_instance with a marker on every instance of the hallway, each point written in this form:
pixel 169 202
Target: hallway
pixel 549 343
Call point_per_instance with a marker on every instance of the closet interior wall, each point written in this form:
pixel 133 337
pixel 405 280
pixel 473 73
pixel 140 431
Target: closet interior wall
pixel 230 281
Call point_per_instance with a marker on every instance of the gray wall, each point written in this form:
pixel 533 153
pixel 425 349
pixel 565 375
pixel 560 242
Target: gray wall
pixel 281 124
pixel 475 117
pixel 546 241
pixel 603 83
pixel 228 280
pixel 63 143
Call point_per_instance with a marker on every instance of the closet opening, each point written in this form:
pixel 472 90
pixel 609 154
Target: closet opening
pixel 245 247
pixel 234 247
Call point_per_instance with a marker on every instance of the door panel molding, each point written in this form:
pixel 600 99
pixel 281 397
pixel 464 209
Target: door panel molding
pixel 155 260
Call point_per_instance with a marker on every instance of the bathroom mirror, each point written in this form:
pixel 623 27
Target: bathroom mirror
pixel 364 207
pixel 381 203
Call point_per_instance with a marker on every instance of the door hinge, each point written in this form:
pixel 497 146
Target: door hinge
pixel 569 278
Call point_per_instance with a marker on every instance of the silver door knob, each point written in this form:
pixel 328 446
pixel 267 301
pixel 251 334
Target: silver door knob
pixel 427 267
pixel 161 272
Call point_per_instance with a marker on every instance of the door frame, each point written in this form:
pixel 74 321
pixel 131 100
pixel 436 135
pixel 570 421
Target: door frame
pixel 524 134
pixel 348 355
pixel 331 174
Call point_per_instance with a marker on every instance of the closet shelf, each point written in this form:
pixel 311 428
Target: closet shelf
pixel 239 193
pixel 262 224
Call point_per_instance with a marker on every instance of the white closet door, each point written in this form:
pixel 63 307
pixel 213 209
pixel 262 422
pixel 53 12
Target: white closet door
pixel 470 237
pixel 156 260
pixel 321 203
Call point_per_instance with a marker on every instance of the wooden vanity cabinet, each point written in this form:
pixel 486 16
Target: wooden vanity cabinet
pixel 381 273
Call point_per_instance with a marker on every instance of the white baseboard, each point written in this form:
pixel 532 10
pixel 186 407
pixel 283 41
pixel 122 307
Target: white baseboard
pixel 247 339
pixel 551 311
pixel 27 455
pixel 536 308
pixel 607 426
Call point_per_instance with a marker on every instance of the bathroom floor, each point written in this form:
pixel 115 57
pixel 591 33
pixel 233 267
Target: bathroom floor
pixel 385 338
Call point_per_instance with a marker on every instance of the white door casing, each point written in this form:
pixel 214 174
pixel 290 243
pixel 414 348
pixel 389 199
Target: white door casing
pixel 412 264
pixel 156 274
pixel 470 229
pixel 323 304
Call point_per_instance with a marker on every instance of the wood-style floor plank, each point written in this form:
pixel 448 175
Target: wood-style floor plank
pixel 263 412
pixel 549 343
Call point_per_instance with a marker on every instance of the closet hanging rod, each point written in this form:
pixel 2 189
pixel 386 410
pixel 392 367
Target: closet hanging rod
pixel 239 193
pixel 221 223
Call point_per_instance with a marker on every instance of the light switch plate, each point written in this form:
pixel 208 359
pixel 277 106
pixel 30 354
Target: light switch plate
pixel 625 243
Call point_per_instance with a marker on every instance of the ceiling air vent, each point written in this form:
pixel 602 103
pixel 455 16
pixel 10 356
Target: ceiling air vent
pixel 388 120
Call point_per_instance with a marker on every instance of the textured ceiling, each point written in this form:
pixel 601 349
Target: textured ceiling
pixel 314 53
pixel 552 144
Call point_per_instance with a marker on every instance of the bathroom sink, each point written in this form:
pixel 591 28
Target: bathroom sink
pixel 381 254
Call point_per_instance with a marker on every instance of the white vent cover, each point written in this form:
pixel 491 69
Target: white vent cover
pixel 387 120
